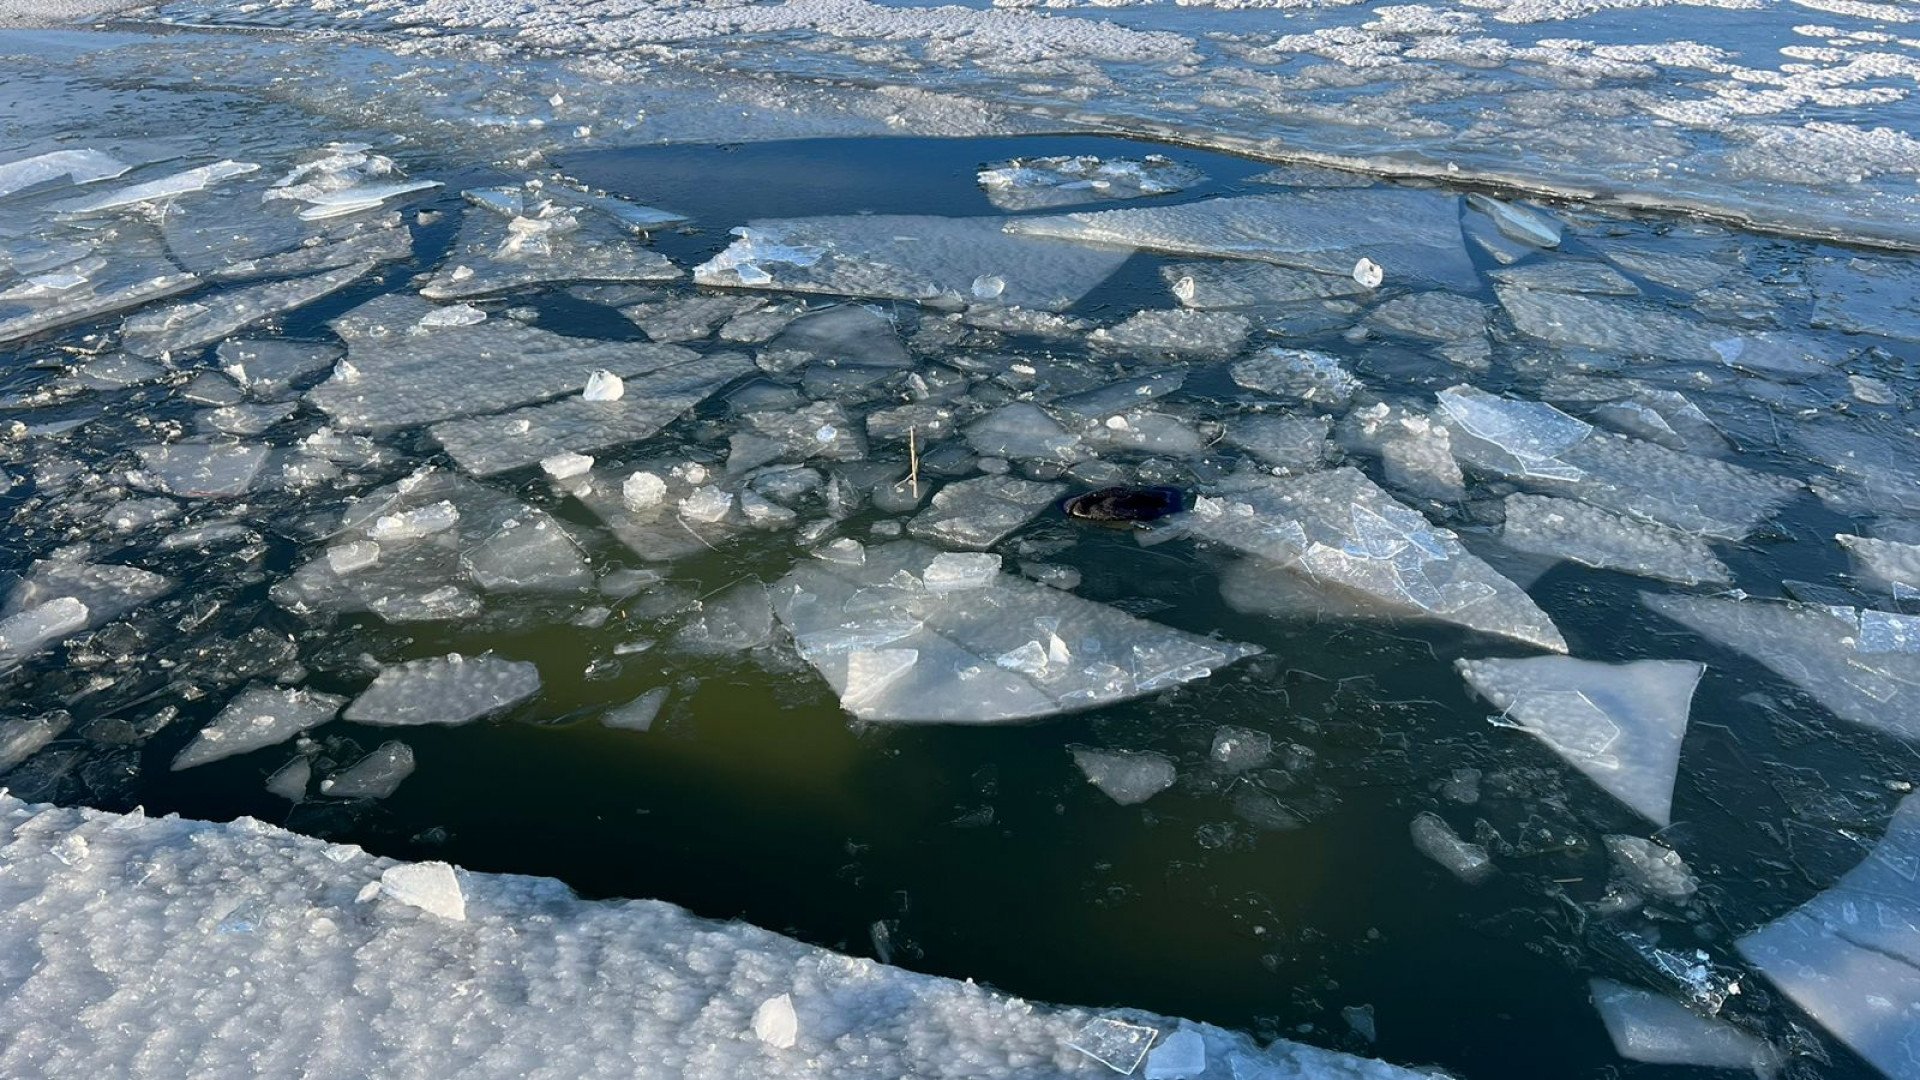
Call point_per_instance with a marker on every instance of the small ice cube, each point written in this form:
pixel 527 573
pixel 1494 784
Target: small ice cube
pixel 643 491
pixel 1368 273
pixel 604 385
pixel 566 465
pixel 775 1023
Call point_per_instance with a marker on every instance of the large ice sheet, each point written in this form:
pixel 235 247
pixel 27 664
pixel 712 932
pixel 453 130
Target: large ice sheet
pixel 1833 653
pixel 1537 445
pixel 1414 235
pixel 240 949
pixel 484 445
pixel 1567 529
pixel 906 257
pixel 1620 724
pixel 1339 528
pixel 905 636
pixel 399 374
pixel 1850 956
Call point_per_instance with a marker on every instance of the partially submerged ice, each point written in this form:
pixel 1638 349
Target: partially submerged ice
pixel 977 649
pixel 1619 724
pixel 554 985
pixel 934 260
pixel 1128 777
pixel 451 689
pixel 1572 530
pixel 1859 663
pixel 1850 957
pixel 259 717
pixel 1339 528
pixel 1646 1026
pixel 1415 234
pixel 63 596
pixel 1535 444
pixel 981 512
pixel 1042 182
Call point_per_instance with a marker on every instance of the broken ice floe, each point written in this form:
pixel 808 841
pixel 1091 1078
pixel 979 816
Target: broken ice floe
pixel 1338 528
pixel 1298 373
pixel 1118 1045
pixel 375 776
pixel 926 259
pixel 258 717
pixel 1850 957
pixel 1619 724
pixel 1128 777
pixel 1566 529
pixel 981 512
pixel 1646 1026
pixel 1213 286
pixel 1859 663
pixel 1437 841
pixel 62 596
pixel 1415 233
pixel 1522 223
pixel 433 887
pixel 160 189
pixel 1002 649
pixel 1889 564
pixel 188 325
pixel 1191 335
pixel 1536 444
pixel 549 242
pixel 1638 329
pixel 1652 869
pixel 73 166
pixel 1043 182
pixel 451 689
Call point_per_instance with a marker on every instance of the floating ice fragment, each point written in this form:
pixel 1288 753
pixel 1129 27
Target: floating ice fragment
pixel 1619 724
pixel 1340 529
pixel 981 512
pixel 1300 373
pixel 603 385
pixel 1648 1027
pixel 1651 868
pixel 451 689
pixel 735 621
pixel 642 490
pixel 1189 334
pixel 638 714
pixel 215 317
pixel 1890 564
pixel 954 571
pixel 452 315
pixel 775 1023
pixel 1368 274
pixel 354 200
pixel 28 630
pixel 566 465
pixel 290 781
pixel 353 555
pixel 707 504
pixel 1437 841
pixel 553 243
pixel 1518 222
pixel 1220 285
pixel 433 887
pixel 1118 1045
pixel 166 187
pixel 1128 777
pixel 375 776
pixel 76 166
pixel 1180 1056
pixel 989 287
pixel 258 717
pixel 1565 529
pixel 200 470
pixel 1237 749
pixel 415 523
pixel 1044 182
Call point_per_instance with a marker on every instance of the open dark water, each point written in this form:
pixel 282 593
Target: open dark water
pixel 1267 902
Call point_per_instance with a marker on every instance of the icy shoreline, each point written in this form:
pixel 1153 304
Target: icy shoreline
pixel 159 947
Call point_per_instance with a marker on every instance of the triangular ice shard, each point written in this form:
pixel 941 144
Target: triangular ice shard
pixel 1339 528
pixel 912 635
pixel 1851 956
pixel 1620 724
pixel 1860 663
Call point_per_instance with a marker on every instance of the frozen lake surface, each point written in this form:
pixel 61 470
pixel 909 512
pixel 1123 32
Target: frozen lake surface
pixel 629 448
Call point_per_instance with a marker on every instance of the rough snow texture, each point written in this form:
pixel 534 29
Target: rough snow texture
pixel 240 949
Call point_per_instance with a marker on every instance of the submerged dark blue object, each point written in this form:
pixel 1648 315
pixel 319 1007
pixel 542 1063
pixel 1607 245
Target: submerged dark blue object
pixel 1126 504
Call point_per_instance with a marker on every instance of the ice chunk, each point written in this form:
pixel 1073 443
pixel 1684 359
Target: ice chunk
pixel 1043 182
pixel 1819 649
pixel 1629 328
pixel 451 689
pixel 1567 276
pixel 1368 274
pixel 415 523
pixel 1890 564
pixel 1291 443
pixel 142 284
pixel 930 259
pixel 35 615
pixel 1619 724
pixel 1298 373
pixel 1194 335
pixel 1866 296
pixel 1024 431
pixel 1416 232
pixel 1525 224
pixel 290 781
pixel 397 376
pixel 200 470
pixel 981 512
pixel 664 530
pixel 1237 749
pixel 31 629
pixel 735 621
pixel 360 198
pixel 775 1023
pixel 1180 1056
pixel 485 445
pixel 1850 957
pixel 158 190
pixel 21 737
pixel 1648 1027
pixel 952 571
pixel 1437 316
pixel 898 651
pixel 1127 777
pixel 1118 1045
pixel 532 553
pixel 706 504
pixel 1652 869
pixel 642 490
pixel 603 385
pixel 433 887
pixel 259 717
pixel 155 333
pixel 270 368
pixel 74 166
pixel 1340 529
pixel 820 430
pixel 566 465
pixel 638 714
pixel 1538 445
pixel 1565 529
pixel 375 776
pixel 1222 285
pixel 1417 454
pixel 689 318
pixel 856 334
pixel 1437 841
pixel 553 243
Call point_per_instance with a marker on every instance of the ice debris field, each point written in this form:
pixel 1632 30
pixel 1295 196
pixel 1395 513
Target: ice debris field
pixel 454 452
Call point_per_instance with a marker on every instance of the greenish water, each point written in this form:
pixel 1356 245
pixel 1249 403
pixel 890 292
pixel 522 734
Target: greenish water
pixel 1267 902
